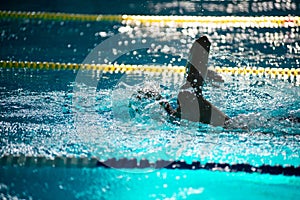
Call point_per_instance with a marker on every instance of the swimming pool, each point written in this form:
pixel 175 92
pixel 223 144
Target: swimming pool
pixel 48 115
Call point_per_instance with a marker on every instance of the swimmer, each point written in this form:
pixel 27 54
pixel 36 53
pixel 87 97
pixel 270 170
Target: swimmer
pixel 191 105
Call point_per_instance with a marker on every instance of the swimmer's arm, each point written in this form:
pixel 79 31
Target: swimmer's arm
pixel 167 106
pixel 164 103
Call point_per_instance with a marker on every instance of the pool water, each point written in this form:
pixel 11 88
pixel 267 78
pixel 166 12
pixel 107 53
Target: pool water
pixel 72 183
pixel 53 113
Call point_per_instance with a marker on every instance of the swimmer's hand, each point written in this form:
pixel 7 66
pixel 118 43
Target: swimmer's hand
pixel 214 76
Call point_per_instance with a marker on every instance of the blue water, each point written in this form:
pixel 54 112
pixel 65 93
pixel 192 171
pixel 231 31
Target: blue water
pixel 166 7
pixel 52 113
pixel 62 183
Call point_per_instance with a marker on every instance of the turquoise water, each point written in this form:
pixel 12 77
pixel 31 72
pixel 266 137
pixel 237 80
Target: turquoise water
pixel 52 113
pixel 63 183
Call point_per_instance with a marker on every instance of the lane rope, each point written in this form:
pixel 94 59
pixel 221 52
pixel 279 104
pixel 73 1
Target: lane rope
pixel 124 163
pixel 236 21
pixel 105 68
pixel 292 75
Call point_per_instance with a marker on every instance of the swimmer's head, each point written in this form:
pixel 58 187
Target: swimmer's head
pixel 197 61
